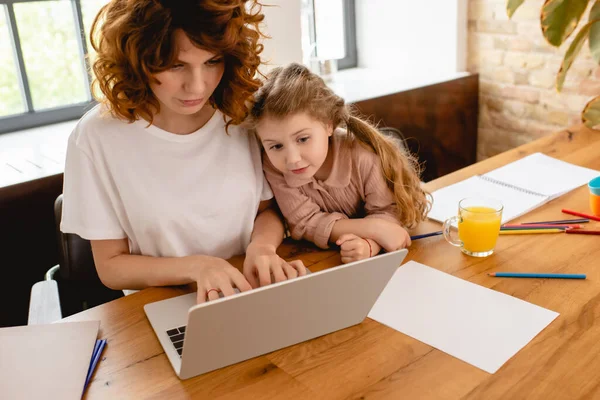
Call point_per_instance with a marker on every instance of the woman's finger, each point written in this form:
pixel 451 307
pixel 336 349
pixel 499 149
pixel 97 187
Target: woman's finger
pixel 212 293
pixel 201 295
pixel 240 281
pixel 226 288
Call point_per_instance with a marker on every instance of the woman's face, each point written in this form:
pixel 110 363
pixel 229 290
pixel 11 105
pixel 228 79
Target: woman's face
pixel 184 89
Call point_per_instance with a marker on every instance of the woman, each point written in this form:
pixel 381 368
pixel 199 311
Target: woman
pixel 159 177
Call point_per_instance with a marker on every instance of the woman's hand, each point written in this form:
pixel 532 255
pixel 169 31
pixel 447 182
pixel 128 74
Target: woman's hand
pixel 263 266
pixel 215 275
pixel 355 248
pixel 391 236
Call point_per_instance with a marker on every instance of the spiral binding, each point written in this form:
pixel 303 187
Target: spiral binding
pixel 520 189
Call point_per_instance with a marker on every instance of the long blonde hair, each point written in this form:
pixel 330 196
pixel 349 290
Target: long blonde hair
pixel 294 89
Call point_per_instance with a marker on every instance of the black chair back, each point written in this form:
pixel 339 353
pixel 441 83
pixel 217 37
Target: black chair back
pixel 78 282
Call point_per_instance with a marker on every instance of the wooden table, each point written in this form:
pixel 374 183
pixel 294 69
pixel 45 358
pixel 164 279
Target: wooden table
pixel 370 360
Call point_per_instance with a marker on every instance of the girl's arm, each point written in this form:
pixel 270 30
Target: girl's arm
pixel 381 223
pixel 119 270
pixel 261 256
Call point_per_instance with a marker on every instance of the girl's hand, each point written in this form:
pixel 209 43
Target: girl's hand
pixel 391 236
pixel 263 266
pixel 216 276
pixel 354 248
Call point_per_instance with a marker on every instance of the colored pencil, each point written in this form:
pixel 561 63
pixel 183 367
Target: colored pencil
pixel 426 235
pixel 580 214
pixel 560 221
pixel 529 231
pixel 582 232
pixel 535 275
pixel 100 344
pixel 534 226
pixel 529 228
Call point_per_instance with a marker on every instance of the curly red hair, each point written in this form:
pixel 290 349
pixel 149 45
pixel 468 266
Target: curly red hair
pixel 134 40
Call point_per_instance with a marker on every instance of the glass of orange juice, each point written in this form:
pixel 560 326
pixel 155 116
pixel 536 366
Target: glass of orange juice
pixel 479 221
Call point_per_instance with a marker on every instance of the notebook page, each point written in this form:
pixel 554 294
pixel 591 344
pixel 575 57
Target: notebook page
pixel 543 174
pixel 516 202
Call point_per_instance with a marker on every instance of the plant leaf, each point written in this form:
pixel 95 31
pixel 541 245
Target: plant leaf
pixel 595 32
pixel 571 53
pixel 560 18
pixel 591 113
pixel 511 6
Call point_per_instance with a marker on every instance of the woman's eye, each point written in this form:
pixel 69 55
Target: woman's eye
pixel 214 61
pixel 177 66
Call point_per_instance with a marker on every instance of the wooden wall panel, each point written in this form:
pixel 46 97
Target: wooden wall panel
pixel 439 122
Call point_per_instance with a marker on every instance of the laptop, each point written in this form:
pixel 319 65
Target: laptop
pixel 198 338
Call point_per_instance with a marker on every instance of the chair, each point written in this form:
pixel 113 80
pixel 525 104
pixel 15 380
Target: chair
pixel 71 286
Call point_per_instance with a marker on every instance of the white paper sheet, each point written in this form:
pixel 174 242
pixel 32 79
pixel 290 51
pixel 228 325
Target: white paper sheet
pixel 475 324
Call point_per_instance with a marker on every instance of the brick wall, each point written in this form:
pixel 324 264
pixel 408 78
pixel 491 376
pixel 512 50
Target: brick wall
pixel 517 67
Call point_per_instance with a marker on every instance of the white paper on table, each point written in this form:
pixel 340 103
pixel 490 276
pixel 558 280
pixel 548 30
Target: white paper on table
pixel 475 324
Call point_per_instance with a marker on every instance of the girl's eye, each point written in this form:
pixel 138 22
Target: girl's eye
pixel 276 147
pixel 215 61
pixel 304 139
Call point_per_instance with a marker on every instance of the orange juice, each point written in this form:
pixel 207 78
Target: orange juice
pixel 478 228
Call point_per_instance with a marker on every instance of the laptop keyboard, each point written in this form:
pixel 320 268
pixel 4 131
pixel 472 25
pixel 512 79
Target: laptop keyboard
pixel 176 335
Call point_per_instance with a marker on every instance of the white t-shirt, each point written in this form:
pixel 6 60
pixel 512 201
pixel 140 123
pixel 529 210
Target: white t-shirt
pixel 170 195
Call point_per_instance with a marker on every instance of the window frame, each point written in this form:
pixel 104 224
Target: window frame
pixel 349 10
pixel 351 59
pixel 31 118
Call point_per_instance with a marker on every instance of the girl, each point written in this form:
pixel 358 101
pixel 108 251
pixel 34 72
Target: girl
pixel 159 176
pixel 335 177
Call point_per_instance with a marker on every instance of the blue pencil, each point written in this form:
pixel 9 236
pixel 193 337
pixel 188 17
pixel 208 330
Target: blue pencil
pixel 536 275
pixel 100 344
pixel 426 235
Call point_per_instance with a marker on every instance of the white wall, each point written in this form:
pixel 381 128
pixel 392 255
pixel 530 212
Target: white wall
pixel 282 23
pixel 407 35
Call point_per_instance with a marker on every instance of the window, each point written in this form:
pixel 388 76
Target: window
pixel 329 32
pixel 44 61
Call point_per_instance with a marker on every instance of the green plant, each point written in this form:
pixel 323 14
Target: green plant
pixel 558 21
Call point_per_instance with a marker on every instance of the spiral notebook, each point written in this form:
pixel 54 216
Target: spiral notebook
pixel 521 186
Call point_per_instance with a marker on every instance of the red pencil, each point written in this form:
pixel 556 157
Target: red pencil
pixel 537 226
pixel 580 214
pixel 582 232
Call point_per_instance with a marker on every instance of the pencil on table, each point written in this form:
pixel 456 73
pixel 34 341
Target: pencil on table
pixel 560 221
pixel 529 231
pixel 582 232
pixel 426 235
pixel 580 214
pixel 535 275
pixel 536 226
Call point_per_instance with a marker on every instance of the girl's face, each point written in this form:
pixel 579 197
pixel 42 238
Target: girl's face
pixel 296 145
pixel 184 89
